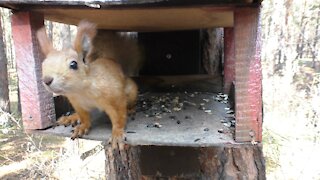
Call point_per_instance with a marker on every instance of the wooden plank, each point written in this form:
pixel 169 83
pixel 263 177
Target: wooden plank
pixel 248 75
pixel 189 126
pixel 145 19
pixel 22 4
pixel 36 103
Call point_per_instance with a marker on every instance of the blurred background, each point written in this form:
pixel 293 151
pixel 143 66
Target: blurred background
pixel 291 103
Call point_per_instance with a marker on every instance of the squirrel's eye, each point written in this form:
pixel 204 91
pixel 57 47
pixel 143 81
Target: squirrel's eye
pixel 74 65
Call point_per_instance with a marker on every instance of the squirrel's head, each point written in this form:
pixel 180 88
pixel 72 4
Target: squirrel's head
pixel 64 70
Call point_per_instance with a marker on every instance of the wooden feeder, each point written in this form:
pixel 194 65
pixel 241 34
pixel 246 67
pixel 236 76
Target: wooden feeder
pixel 183 132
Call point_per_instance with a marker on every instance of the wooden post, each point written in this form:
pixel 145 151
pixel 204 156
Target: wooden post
pixel 248 77
pixel 36 103
pixel 229 59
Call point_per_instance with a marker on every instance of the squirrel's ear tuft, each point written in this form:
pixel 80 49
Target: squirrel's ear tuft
pixel 44 41
pixel 86 33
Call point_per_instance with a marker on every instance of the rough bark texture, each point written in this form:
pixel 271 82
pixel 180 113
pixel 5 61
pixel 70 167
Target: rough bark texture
pixel 229 60
pixel 233 163
pixel 122 164
pixel 212 45
pixel 4 88
pixel 214 163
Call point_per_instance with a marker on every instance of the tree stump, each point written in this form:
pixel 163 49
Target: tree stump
pixel 122 164
pixel 243 162
pixel 233 163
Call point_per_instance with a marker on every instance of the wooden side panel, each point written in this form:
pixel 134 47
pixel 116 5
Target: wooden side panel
pixel 229 59
pixel 36 103
pixel 248 77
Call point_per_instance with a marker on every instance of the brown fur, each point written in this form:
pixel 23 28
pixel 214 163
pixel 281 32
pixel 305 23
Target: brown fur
pixel 112 45
pixel 98 83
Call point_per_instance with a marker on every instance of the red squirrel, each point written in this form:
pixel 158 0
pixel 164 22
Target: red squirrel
pixel 87 83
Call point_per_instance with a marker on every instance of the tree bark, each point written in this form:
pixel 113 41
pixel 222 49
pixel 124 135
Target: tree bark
pixel 4 88
pixel 122 164
pixel 212 46
pixel 65 35
pixel 301 40
pixel 233 163
pixel 212 163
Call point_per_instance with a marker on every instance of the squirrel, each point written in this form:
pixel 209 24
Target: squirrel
pixel 87 83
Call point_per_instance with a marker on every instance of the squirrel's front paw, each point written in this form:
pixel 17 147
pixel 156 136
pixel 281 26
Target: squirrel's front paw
pixel 80 130
pixel 68 120
pixel 117 139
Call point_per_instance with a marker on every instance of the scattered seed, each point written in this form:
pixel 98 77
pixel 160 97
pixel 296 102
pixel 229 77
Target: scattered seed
pixel 178 122
pixel 206 129
pixel 172 117
pixel 223 121
pixel 208 111
pixel 157 125
pixel 220 131
pixel 187 117
pixel 131 132
pixel 227 124
pixel 202 108
pixel 230 112
pixel 206 100
pixel 189 103
pixel 196 140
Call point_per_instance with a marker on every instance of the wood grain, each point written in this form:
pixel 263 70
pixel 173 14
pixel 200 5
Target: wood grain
pixel 36 103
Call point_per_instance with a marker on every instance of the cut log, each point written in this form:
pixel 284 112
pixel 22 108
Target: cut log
pixel 233 163
pixel 165 162
pixel 122 164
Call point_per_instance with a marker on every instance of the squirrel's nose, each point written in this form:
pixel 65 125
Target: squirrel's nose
pixel 47 80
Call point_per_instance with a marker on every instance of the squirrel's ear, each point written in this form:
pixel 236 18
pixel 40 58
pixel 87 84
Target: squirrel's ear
pixel 86 33
pixel 44 41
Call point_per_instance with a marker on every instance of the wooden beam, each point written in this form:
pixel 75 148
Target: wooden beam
pixel 145 19
pixel 248 77
pixel 36 103
pixel 23 4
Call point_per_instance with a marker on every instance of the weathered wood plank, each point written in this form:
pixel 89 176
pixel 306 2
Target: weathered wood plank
pixel 191 126
pixel 145 19
pixel 248 75
pixel 37 104
pixel 20 4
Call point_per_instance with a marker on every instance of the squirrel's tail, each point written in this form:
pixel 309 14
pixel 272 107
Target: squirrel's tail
pixel 131 91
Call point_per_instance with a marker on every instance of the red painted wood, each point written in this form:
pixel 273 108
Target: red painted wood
pixel 248 75
pixel 36 103
pixel 229 58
